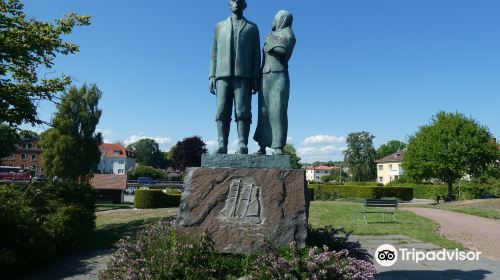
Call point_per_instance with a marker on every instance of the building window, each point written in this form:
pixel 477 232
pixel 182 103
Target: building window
pixel 30 145
pixel 23 156
pixel 111 171
pixel 23 166
pixel 121 171
pixel 121 161
pixel 380 167
pixel 380 179
pixel 33 157
pixel 400 167
pixel 390 166
pixel 117 153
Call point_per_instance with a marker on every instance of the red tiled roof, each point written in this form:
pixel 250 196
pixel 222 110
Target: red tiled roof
pixel 320 167
pixel 396 157
pixel 110 150
pixel 109 182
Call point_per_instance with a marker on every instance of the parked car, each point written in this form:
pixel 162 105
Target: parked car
pixel 40 178
pixel 145 181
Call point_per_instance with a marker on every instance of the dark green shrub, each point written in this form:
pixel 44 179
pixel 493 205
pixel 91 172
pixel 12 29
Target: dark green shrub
pixel 331 192
pixel 310 193
pixel 146 171
pixel 150 199
pixel 42 221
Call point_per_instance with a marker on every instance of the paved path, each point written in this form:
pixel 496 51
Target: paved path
pixel 475 233
pixel 484 269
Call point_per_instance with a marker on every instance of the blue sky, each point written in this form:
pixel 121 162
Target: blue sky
pixel 384 66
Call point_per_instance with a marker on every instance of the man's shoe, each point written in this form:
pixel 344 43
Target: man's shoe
pixel 221 151
pixel 242 150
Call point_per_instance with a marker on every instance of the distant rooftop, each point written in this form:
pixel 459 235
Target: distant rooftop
pixel 116 151
pixel 396 157
pixel 109 182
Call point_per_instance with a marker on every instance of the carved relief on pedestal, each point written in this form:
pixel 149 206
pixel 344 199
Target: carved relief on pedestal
pixel 243 203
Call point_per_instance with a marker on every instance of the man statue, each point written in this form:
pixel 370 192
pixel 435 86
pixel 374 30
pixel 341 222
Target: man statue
pixel 234 74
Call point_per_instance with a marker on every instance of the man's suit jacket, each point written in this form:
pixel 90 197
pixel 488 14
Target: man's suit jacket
pixel 246 51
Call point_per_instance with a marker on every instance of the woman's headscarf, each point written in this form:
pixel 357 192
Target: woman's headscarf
pixel 282 35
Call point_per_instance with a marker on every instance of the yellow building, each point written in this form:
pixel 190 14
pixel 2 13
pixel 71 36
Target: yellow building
pixel 390 168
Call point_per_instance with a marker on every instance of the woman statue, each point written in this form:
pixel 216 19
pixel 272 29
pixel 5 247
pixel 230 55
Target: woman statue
pixel 272 126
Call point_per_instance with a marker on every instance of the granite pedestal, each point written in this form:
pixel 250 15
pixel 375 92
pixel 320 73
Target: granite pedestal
pixel 244 208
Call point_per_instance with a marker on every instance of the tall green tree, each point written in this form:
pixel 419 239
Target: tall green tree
pixel 148 152
pixel 8 140
pixel 449 148
pixel 390 148
pixel 188 152
pixel 28 46
pixel 289 149
pixel 360 156
pixel 71 147
pixel 168 157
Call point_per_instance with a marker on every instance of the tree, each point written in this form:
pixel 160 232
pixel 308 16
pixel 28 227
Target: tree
pixel 146 171
pixel 449 148
pixel 360 156
pixel 289 149
pixel 148 152
pixel 168 157
pixel 390 148
pixel 27 134
pixel 8 140
pixel 28 46
pixel 188 153
pixel 71 147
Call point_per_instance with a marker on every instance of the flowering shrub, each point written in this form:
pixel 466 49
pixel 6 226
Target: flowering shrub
pixel 336 239
pixel 317 264
pixel 164 252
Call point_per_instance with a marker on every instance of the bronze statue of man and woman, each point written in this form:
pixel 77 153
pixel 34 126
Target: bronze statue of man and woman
pixel 236 73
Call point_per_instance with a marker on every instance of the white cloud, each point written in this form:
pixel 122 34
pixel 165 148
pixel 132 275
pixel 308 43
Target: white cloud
pixel 106 134
pixel 323 139
pixel 163 142
pixel 310 154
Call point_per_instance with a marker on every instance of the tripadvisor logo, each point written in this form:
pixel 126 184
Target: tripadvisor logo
pixel 387 255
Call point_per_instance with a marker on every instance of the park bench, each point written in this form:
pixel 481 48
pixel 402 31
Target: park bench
pixel 382 206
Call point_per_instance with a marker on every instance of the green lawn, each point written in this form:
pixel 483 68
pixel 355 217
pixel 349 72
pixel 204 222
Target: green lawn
pixel 341 214
pixel 487 208
pixel 105 207
pixel 113 226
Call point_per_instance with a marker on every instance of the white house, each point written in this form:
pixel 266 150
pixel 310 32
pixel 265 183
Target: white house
pixel 314 173
pixel 390 168
pixel 115 159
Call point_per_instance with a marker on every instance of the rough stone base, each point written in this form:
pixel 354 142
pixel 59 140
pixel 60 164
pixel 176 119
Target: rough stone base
pixel 245 161
pixel 242 209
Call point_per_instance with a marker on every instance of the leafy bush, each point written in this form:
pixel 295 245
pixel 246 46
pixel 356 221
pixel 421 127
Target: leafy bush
pixel 310 192
pixel 336 239
pixel 161 252
pixel 331 192
pixel 462 190
pixel 150 199
pixel 41 221
pixel 315 264
pixel 164 252
pixel 146 171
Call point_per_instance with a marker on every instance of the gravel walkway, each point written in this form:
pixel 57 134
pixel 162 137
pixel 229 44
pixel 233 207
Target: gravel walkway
pixel 475 233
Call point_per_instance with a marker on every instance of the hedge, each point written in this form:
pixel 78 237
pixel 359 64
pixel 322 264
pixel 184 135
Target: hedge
pixel 150 199
pixel 41 222
pixel 330 192
pixel 462 190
